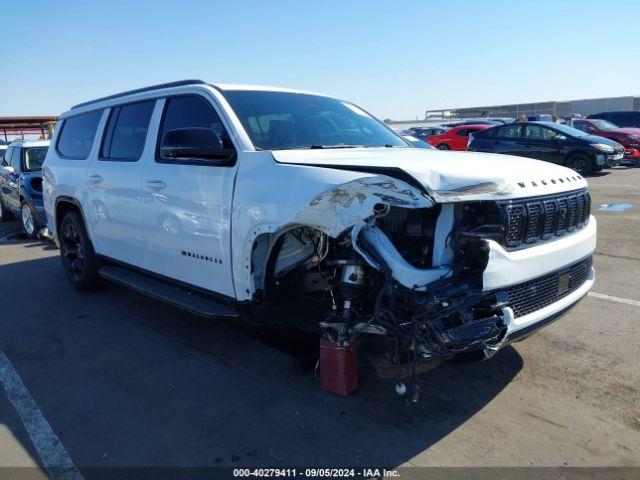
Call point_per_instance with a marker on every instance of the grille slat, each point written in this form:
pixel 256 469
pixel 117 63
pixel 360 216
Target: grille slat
pixel 543 218
pixel 533 295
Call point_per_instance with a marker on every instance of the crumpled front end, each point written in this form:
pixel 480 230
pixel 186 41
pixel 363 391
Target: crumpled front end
pixel 414 281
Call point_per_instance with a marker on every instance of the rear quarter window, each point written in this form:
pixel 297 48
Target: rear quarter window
pixel 77 135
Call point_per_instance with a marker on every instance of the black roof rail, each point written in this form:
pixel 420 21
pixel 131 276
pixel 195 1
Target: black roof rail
pixel 181 83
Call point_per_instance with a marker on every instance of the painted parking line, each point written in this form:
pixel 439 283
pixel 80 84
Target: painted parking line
pixel 604 296
pixel 53 456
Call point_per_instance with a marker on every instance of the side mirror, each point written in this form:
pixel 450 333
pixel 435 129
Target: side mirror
pixel 196 144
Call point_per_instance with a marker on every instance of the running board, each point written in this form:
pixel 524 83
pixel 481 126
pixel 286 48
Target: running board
pixel 178 297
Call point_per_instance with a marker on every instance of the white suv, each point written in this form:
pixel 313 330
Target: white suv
pixel 233 200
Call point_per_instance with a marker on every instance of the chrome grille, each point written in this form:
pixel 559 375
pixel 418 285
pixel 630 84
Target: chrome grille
pixel 535 219
pixel 533 295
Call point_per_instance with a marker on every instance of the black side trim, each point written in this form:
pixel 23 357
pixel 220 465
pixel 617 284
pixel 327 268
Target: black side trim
pixel 175 296
pixel 203 292
pixel 180 83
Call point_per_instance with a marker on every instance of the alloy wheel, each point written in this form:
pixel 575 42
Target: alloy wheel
pixel 28 222
pixel 579 165
pixel 72 250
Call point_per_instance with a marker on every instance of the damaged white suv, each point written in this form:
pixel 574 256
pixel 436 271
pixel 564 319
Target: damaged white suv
pixel 285 206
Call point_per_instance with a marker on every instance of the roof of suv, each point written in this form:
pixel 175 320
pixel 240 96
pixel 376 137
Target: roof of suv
pixel 182 83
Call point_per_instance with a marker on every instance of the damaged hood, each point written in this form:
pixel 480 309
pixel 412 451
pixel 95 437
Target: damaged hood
pixel 449 176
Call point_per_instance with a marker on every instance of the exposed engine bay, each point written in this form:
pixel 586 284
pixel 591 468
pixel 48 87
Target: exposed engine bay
pixel 405 284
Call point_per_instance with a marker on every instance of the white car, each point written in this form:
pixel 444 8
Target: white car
pixel 244 201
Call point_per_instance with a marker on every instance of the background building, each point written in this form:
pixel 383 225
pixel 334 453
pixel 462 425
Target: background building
pixel 559 108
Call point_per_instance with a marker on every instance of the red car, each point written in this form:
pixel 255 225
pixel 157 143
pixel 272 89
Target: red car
pixel 455 139
pixel 628 137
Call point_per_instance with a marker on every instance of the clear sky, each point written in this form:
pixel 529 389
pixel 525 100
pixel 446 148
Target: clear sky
pixel 394 58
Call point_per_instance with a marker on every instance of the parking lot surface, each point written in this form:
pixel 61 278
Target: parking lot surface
pixel 123 380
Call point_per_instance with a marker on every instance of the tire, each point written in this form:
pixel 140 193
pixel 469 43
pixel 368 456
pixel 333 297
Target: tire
pixel 28 219
pixel 581 163
pixel 79 260
pixel 443 146
pixel 5 214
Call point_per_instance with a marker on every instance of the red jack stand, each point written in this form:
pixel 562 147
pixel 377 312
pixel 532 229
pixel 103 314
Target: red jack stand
pixel 338 367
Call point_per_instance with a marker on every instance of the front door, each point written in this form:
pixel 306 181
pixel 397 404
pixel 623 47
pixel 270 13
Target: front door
pixel 187 203
pixel 114 178
pixel 544 144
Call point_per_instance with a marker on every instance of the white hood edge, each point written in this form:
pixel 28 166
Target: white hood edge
pixel 448 176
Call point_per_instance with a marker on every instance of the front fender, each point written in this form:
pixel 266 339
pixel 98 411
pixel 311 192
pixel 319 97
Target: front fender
pixel 271 199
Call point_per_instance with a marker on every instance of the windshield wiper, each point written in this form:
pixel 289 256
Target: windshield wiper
pixel 317 147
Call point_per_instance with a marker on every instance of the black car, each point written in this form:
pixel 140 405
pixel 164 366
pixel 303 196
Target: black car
pixel 21 184
pixel 621 118
pixel 551 142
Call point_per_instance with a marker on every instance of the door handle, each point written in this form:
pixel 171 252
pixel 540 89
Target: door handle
pixel 497 142
pixel 156 185
pixel 95 179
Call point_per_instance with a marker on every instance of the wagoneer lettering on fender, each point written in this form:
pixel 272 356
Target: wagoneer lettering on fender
pixel 284 206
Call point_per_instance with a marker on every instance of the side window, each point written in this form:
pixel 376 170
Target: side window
pixel 195 113
pixel 77 134
pixel 537 132
pixel 126 131
pixel 580 125
pixel 463 132
pixel 510 132
pixel 14 161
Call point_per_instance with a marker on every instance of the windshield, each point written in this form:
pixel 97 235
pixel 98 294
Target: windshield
pixel 33 158
pixel 604 125
pixel 284 120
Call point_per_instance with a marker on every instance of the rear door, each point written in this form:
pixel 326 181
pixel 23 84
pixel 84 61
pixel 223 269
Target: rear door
pixel 187 207
pixel 114 179
pixel 508 139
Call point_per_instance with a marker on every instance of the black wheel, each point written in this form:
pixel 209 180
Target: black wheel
pixel 5 214
pixel 79 261
pixel 580 163
pixel 443 146
pixel 28 221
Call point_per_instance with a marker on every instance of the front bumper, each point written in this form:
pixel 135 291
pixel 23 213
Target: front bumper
pixel 609 160
pixel 519 327
pixel 506 268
